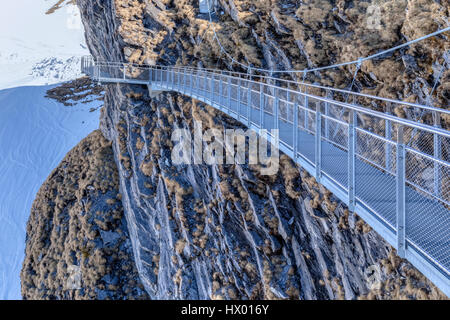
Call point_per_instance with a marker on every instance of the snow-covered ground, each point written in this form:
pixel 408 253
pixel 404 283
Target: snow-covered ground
pixel 35 132
pixel 35 135
pixel 24 67
pixel 39 49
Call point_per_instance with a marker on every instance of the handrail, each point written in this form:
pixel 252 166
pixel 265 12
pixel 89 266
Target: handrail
pixel 382 115
pixel 385 116
pixel 291 82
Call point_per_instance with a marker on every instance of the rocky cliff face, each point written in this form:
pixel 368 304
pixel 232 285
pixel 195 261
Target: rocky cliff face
pixel 226 231
pixel 78 246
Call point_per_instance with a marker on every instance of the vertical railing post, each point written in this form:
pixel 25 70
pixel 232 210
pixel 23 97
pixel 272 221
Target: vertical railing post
pixel 276 109
pixel 295 140
pixel 306 105
pixel 221 89
pixel 212 88
pixel 185 77
pixel 437 146
pixel 229 94
pixel 239 98
pixel 388 146
pixel 166 78
pixel 388 136
pixel 124 72
pixel 249 102
pixel 352 125
pixel 205 83
pixel 174 82
pixel 191 78
pixel 288 96
pixel 400 194
pixel 197 82
pixel 261 106
pixel 318 143
pixel 184 81
pixel 327 113
pixel 191 84
pixel 195 79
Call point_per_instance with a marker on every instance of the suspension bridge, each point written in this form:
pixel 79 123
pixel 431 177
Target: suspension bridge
pixel 393 172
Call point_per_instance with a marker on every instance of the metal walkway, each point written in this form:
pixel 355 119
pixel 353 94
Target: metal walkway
pixel 394 173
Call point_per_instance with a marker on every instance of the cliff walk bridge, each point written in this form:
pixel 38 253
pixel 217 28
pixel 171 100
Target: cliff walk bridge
pixel 394 172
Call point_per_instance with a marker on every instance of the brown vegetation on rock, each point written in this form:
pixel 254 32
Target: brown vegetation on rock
pixel 224 231
pixel 77 223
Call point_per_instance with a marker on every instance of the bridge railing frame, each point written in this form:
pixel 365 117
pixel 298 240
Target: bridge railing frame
pixel 315 115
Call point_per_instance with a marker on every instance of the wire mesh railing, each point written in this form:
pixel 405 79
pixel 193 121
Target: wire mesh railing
pixel 396 169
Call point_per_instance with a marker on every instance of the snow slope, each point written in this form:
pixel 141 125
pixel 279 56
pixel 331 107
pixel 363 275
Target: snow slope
pixel 39 49
pixel 35 135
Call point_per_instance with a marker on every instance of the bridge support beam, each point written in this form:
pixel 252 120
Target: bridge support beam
pixel 154 93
